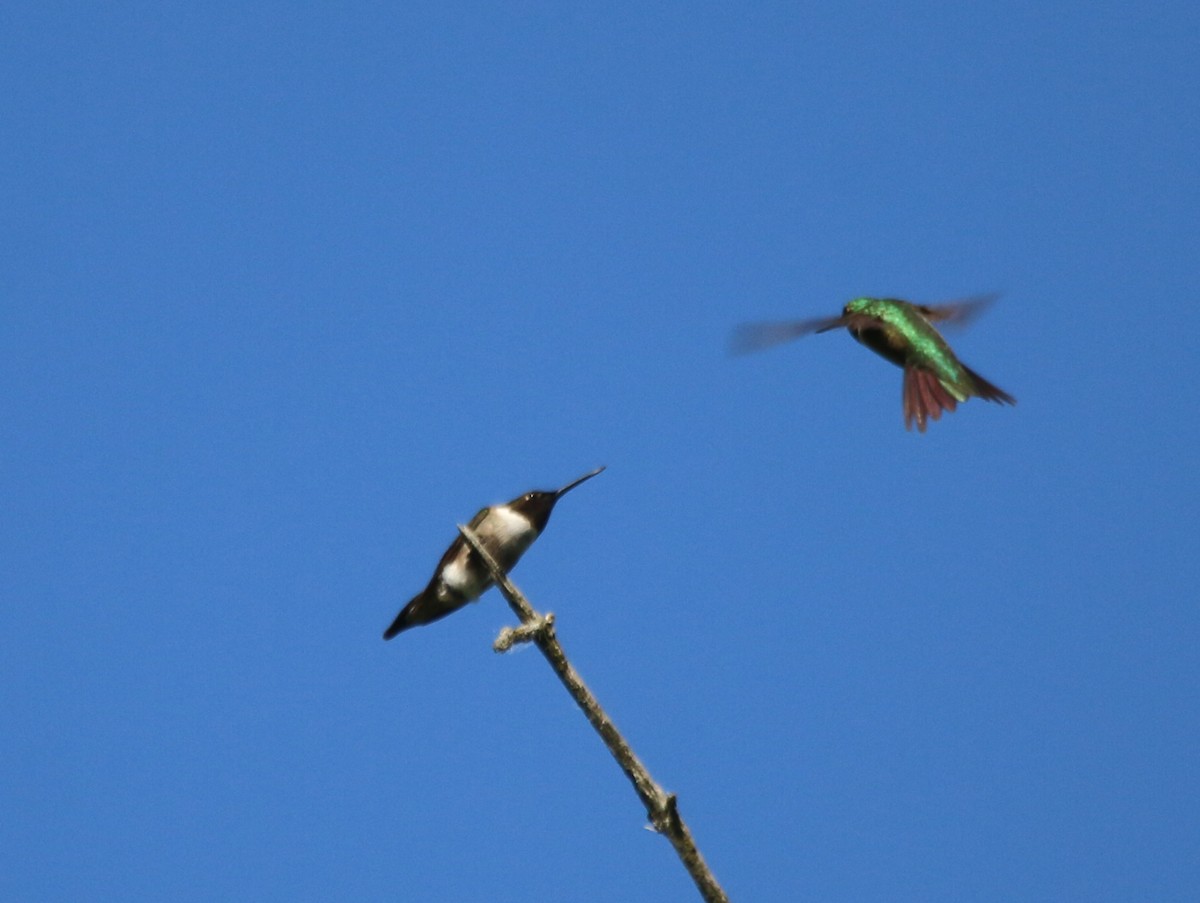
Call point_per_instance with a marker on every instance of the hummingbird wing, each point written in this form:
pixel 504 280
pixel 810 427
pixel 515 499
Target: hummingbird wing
pixel 956 313
pixel 750 337
pixel 459 541
pixel 426 606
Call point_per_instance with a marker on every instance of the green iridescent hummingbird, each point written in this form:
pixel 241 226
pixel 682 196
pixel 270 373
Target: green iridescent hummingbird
pixel 902 332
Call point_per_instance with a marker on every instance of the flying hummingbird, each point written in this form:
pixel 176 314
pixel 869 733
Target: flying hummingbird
pixel 935 380
pixel 506 531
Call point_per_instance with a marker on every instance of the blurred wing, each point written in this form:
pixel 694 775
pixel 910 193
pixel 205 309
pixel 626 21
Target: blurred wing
pixel 956 313
pixel 758 336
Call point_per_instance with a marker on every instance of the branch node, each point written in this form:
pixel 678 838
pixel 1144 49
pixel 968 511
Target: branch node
pixel 664 816
pixel 529 632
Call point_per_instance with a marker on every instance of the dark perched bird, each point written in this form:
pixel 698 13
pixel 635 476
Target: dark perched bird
pixel 506 531
pixel 935 380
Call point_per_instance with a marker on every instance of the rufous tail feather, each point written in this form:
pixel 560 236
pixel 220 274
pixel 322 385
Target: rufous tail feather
pixel 924 398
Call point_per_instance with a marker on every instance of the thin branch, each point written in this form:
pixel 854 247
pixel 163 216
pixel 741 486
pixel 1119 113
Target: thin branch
pixel 661 807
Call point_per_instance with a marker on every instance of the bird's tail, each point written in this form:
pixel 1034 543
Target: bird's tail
pixel 924 397
pixel 405 619
pixel 396 626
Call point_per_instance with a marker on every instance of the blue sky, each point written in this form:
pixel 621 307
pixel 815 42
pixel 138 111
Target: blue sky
pixel 287 291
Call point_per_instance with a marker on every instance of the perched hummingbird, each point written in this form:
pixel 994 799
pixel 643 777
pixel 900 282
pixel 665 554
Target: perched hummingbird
pixel 903 333
pixel 506 531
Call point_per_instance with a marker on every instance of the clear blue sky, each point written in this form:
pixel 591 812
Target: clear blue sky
pixel 287 290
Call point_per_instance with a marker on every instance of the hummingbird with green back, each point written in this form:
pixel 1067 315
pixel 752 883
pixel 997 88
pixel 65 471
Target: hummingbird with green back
pixel 902 332
pixel 506 531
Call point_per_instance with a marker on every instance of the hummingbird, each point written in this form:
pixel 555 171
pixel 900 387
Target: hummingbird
pixel 506 531
pixel 902 332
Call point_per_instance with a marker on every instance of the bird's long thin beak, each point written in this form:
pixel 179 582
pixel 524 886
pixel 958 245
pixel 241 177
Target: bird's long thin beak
pixel 574 483
pixel 837 323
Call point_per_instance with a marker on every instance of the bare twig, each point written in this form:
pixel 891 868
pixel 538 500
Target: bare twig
pixel 661 807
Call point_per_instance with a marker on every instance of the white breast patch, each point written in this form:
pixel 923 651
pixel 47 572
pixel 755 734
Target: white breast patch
pixel 508 525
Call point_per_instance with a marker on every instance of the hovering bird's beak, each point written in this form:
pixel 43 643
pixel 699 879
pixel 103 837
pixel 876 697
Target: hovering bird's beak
pixel 833 324
pixel 574 483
